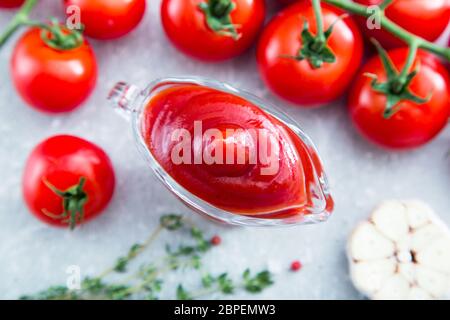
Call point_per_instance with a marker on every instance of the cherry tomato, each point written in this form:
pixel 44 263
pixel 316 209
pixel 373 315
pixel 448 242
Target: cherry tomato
pixel 106 19
pixel 427 19
pixel 297 81
pixel 11 3
pixel 413 124
pixel 186 26
pixel 71 170
pixel 52 80
pixel 287 2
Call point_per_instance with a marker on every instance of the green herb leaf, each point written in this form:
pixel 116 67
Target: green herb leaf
pixel 171 222
pixel 257 283
pixel 182 294
pixel 225 284
pixel 122 262
pixel 208 280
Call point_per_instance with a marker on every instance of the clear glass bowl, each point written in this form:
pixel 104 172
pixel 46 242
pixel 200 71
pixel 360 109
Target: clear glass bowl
pixel 130 101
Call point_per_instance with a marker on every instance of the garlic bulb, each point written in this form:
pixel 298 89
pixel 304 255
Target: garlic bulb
pixel 401 252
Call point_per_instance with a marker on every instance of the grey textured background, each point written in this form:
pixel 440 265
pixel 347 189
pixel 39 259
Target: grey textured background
pixel 34 256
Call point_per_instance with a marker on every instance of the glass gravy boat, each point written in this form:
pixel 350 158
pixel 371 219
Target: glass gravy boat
pixel 131 102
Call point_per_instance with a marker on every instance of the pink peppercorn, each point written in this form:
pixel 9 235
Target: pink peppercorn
pixel 296 265
pixel 216 240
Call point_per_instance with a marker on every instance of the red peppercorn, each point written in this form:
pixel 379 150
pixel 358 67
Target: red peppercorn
pixel 216 240
pixel 296 265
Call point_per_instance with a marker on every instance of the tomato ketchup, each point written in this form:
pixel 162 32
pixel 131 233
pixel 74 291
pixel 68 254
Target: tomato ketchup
pixel 228 152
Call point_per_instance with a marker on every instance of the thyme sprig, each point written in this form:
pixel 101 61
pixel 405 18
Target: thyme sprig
pixel 147 280
pixel 224 284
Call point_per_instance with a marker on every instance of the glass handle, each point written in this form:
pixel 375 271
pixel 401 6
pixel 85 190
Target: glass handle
pixel 124 97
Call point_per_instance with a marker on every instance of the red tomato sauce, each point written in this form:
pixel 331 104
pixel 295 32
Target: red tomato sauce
pixel 239 187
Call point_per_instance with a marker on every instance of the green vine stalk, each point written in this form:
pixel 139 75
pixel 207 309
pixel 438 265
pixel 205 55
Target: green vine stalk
pixel 391 26
pixel 53 33
pixel 19 20
pixel 396 88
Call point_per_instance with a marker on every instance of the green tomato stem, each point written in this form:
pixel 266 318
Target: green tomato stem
pixel 220 8
pixel 409 61
pixel 319 21
pixel 392 27
pixel 19 20
pixel 385 4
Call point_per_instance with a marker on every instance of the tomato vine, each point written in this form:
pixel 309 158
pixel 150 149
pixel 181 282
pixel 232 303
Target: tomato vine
pixel 391 26
pixel 53 34
pixel 396 88
pixel 18 21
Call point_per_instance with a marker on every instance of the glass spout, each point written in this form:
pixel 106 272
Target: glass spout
pixel 125 97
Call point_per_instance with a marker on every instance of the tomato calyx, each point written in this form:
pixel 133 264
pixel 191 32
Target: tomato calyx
pixel 218 17
pixel 58 37
pixel 74 198
pixel 54 34
pixel 396 88
pixel 314 47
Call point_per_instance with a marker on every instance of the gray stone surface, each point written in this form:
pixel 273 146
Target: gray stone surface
pixel 34 256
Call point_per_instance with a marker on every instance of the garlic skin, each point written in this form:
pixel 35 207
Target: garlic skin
pixel 401 252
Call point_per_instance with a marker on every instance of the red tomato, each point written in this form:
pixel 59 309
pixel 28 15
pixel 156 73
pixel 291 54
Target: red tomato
pixel 52 80
pixel 297 81
pixel 286 2
pixel 11 3
pixel 61 162
pixel 106 19
pixel 413 124
pixel 425 18
pixel 185 25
